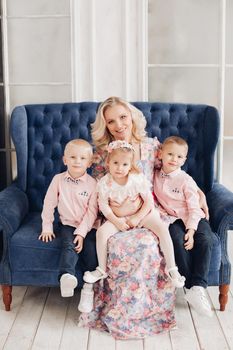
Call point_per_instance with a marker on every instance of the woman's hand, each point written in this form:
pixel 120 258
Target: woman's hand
pixel 127 208
pixel 203 203
pixel 133 221
pixel 121 224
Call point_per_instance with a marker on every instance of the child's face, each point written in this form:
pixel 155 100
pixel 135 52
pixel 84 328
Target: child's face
pixel 173 157
pixel 119 165
pixel 77 159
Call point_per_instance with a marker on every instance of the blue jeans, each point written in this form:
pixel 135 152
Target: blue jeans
pixel 193 264
pixel 88 255
pixel 69 257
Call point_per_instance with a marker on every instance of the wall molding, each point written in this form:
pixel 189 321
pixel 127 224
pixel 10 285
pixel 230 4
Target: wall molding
pixel 96 73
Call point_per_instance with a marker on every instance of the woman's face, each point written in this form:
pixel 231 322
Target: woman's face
pixel 119 122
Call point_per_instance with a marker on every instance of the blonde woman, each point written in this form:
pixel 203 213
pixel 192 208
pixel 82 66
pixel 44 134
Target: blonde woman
pixel 137 298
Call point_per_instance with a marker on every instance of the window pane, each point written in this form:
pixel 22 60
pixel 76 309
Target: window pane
pixel 3 181
pixel 228 120
pixel 229 30
pixel 2 121
pixel 35 7
pixel 187 85
pixel 228 165
pixel 1 75
pixel 182 31
pixel 44 53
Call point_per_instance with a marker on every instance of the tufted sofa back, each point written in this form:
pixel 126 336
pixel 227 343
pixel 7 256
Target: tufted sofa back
pixel 41 131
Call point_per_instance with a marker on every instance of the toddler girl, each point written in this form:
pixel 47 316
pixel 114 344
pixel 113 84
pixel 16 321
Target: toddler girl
pixel 123 182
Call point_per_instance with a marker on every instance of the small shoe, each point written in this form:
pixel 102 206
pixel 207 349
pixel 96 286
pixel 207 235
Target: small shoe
pixel 175 277
pixel 86 301
pixel 94 276
pixel 197 298
pixel 67 284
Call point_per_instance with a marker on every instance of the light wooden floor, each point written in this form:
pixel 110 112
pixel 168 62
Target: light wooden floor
pixel 41 319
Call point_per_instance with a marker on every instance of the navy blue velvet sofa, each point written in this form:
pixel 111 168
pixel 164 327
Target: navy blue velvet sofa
pixel 40 132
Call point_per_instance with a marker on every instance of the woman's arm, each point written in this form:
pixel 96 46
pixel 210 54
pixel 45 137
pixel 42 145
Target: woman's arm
pixel 105 208
pixel 127 208
pixel 134 220
pixel 143 186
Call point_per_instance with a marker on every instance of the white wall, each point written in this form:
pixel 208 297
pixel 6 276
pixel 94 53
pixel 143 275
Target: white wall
pixel 191 61
pixel 77 50
pixel 109 39
pixel 38 43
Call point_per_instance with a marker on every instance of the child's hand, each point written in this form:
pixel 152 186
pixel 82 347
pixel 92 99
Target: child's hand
pixel 133 221
pixel 121 224
pixel 203 204
pixel 189 241
pixel 46 236
pixel 79 246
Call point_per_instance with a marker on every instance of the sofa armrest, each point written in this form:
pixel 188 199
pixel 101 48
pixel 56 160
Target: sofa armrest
pixel 13 208
pixel 220 202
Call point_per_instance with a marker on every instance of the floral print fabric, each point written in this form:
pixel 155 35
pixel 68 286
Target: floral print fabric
pixel 136 299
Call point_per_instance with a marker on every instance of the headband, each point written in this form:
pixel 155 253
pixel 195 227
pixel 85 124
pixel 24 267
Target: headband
pixel 119 144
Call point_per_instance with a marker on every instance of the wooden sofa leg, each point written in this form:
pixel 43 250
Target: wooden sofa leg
pixel 223 296
pixel 7 296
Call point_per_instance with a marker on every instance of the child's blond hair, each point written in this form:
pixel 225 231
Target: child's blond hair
pixel 177 140
pixel 80 143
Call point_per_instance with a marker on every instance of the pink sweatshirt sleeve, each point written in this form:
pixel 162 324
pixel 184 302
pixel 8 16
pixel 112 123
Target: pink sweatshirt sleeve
pixel 50 203
pixel 191 196
pixel 90 216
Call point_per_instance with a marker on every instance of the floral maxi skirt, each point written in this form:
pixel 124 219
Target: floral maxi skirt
pixel 136 299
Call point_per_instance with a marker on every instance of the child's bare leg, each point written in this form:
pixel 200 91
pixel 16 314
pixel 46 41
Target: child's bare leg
pixel 102 235
pixel 153 222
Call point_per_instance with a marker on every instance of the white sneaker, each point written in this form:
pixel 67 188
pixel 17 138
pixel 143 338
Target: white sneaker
pixel 67 284
pixel 197 298
pixel 86 300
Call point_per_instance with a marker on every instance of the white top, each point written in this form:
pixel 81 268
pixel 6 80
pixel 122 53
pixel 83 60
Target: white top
pixel 108 189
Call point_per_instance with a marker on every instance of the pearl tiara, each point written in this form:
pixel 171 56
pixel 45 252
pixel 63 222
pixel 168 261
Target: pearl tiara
pixel 119 144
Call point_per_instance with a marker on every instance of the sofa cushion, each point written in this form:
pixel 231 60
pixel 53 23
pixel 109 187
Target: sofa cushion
pixel 25 247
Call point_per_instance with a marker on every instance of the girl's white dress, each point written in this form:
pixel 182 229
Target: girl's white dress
pixel 110 190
